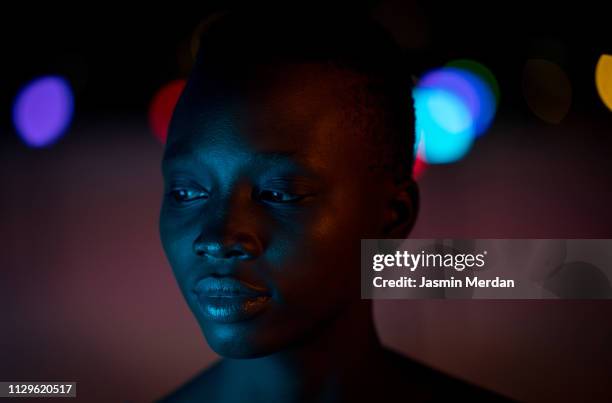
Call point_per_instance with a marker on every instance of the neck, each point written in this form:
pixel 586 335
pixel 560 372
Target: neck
pixel 325 367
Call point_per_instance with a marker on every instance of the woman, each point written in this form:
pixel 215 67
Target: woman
pixel 292 140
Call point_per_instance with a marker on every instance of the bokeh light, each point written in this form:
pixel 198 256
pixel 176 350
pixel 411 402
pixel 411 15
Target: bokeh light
pixel 547 90
pixel 481 71
pixel 603 79
pixel 473 91
pixel 454 105
pixel 405 21
pixel 162 106
pixel 43 110
pixel 419 167
pixel 444 127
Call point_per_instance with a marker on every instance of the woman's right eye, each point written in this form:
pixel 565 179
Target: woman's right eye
pixel 186 195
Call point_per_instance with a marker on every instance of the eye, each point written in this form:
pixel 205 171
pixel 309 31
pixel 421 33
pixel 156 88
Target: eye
pixel 186 195
pixel 275 196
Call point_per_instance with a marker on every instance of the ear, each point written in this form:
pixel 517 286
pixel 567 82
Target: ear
pixel 401 210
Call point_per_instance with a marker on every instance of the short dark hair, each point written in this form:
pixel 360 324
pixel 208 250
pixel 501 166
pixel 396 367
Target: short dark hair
pixel 342 39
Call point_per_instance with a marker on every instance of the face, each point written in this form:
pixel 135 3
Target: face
pixel 267 194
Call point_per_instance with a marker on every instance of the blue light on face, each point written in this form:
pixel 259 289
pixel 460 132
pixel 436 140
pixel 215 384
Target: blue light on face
pixel 444 126
pixel 43 110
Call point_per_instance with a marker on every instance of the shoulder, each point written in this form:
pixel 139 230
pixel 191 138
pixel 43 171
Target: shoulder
pixel 200 387
pixel 437 386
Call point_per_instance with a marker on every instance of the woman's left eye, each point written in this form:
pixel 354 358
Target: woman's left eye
pixel 185 195
pixel 274 196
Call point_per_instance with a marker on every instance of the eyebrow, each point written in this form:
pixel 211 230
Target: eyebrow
pixel 268 155
pixel 172 156
pixel 276 155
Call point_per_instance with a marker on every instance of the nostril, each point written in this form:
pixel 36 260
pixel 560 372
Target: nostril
pixel 235 253
pixel 236 250
pixel 207 249
pixel 198 249
pixel 217 251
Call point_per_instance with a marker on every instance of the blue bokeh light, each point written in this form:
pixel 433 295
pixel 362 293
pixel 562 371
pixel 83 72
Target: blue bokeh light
pixel 473 91
pixel 444 127
pixel 453 106
pixel 43 110
pixel 487 105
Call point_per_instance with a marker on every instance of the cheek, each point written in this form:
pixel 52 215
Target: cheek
pixel 176 238
pixel 320 270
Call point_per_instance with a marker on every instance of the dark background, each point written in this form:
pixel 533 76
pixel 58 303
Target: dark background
pixel 86 294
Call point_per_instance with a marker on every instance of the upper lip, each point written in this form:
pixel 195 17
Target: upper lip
pixel 227 287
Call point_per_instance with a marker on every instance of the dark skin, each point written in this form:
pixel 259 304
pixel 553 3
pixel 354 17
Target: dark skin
pixel 269 177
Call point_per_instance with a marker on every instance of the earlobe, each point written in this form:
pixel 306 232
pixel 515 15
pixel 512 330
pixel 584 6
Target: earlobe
pixel 402 210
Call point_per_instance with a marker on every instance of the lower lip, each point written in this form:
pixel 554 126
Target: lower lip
pixel 232 309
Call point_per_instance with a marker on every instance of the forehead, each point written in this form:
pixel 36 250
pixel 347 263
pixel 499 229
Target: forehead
pixel 294 109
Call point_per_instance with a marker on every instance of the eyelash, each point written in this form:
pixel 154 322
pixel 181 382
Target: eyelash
pixel 291 198
pixel 176 193
pixel 181 196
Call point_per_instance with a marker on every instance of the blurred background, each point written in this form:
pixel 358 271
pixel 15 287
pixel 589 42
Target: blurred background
pixel 514 102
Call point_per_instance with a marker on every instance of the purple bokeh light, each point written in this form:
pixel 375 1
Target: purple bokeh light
pixel 43 110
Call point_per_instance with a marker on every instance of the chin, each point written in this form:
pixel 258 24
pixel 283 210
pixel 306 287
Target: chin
pixel 239 340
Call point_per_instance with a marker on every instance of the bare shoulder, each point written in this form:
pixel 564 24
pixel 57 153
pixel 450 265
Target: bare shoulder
pixel 437 386
pixel 202 387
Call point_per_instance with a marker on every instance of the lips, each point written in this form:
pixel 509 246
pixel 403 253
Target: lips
pixel 227 300
pixel 227 287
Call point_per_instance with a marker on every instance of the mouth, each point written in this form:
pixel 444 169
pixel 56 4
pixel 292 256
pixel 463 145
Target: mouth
pixel 228 300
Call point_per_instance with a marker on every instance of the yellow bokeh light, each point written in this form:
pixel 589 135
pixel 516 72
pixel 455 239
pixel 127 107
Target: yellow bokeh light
pixel 603 79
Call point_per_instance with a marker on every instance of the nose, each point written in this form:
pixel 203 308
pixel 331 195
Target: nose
pixel 239 247
pixel 233 232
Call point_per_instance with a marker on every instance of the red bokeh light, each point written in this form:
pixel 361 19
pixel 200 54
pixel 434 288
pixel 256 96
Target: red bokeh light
pixel 162 106
pixel 418 167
